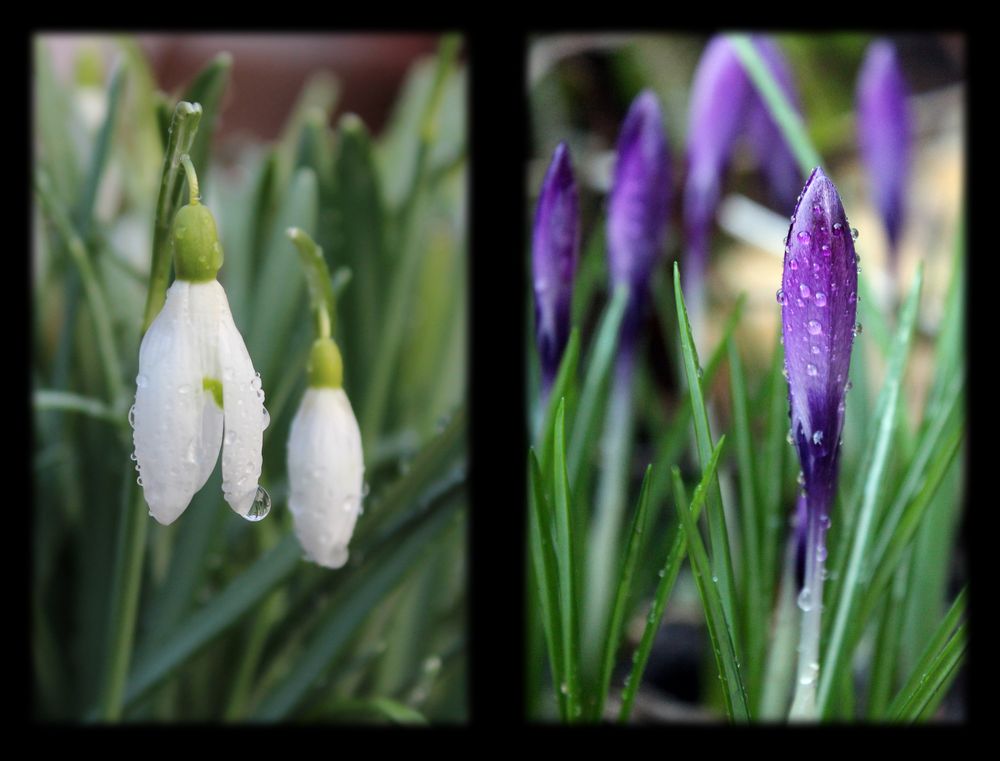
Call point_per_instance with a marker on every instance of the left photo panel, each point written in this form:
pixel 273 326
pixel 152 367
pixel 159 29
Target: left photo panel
pixel 248 378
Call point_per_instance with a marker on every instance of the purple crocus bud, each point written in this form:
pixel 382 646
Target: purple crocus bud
pixel 819 296
pixel 638 206
pixel 768 144
pixel 555 251
pixel 884 134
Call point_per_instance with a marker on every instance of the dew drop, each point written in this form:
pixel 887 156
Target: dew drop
pixel 183 389
pixel 662 572
pixel 131 420
pixel 837 228
pixel 141 381
pixel 814 327
pixel 801 480
pixel 804 290
pixel 715 579
pixel 814 349
pixel 804 237
pixel 788 437
pixel 854 233
pixel 858 329
pixel 817 437
pixel 817 210
pixel 365 489
pixel 820 299
pixel 848 386
pixel 824 521
pixel 811 370
pixel 793 264
pixel 267 419
pixel 133 457
pixel 780 297
pixel 261 506
pixel 825 249
pixel 805 600
pixel 821 553
pixel 138 480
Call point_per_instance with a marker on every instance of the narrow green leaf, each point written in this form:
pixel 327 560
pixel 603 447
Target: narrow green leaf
pixel 564 386
pixel 668 577
pixel 43 400
pixel 317 279
pixel 183 130
pixel 546 572
pixel 722 563
pixel 596 382
pixel 789 122
pixel 99 158
pixel 623 594
pixel 567 572
pixel 885 656
pixel 850 587
pixel 720 628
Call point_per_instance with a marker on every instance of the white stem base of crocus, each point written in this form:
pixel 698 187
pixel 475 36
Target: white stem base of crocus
pixel 810 600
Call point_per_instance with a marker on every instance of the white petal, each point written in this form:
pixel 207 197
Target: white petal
pixel 326 474
pixel 168 409
pixel 244 416
pixel 210 441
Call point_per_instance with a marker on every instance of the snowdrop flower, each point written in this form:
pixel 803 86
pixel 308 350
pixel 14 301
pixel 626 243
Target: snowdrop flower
pixel 325 461
pixel 197 391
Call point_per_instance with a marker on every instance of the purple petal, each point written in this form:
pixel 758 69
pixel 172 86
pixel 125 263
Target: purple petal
pixel 884 129
pixel 640 194
pixel 819 289
pixel 555 252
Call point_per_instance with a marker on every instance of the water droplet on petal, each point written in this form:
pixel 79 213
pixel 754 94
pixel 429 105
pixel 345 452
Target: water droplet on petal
pixel 837 228
pixel 820 299
pixel 824 521
pixel 825 249
pixel 817 210
pixel 261 506
pixel 811 370
pixel 817 437
pixel 139 480
pixel 854 233
pixel 131 421
pixel 780 297
pixel 814 327
pixel 804 237
pixel 857 329
pixel 267 419
pixel 804 290
pixel 814 349
pixel 793 264
pixel 805 600
pixel 821 553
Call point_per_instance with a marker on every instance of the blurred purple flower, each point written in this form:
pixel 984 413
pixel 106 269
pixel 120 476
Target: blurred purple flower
pixel 819 295
pixel 555 252
pixel 884 129
pixel 724 106
pixel 638 207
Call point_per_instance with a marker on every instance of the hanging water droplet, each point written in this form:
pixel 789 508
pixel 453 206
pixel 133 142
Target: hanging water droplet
pixel 784 372
pixel 817 437
pixel 814 327
pixel 715 579
pixel 804 290
pixel 805 601
pixel 825 249
pixel 854 233
pixel 824 521
pixel 255 382
pixel 817 210
pixel 141 381
pixel 814 349
pixel 857 330
pixel 780 297
pixel 131 419
pixel 811 370
pixel 801 480
pixel 793 264
pixel 267 419
pixel 261 506
pixel 138 480
pixel 853 298
pixel 820 299
pixel 365 489
pixel 789 438
pixel 133 457
pixel 849 385
pixel 821 553
pixel 804 237
pixel 662 572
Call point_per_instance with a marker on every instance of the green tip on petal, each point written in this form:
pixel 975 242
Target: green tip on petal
pixel 197 251
pixel 325 368
pixel 215 386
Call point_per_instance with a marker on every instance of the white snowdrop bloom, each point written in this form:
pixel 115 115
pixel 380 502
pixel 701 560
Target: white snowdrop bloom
pixel 325 462
pixel 197 391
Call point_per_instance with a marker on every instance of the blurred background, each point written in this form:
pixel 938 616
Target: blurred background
pixel 579 89
pixel 359 140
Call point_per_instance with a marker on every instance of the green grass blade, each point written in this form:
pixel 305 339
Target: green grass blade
pixel 850 587
pixel 42 400
pixel 563 387
pixel 789 122
pixel 770 478
pixel 630 559
pixel 668 577
pixel 546 572
pixel 182 133
pixel 99 159
pixel 722 563
pixel 885 658
pixel 755 605
pixel 207 89
pixel 939 658
pixel 347 611
pixel 596 382
pixel 720 628
pixel 567 572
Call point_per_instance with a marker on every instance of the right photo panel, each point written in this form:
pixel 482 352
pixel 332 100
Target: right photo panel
pixel 746 378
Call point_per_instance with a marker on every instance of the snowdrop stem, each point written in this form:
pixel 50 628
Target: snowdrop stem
pixel 192 179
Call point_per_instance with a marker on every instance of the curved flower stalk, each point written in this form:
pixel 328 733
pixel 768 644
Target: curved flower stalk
pixel 555 253
pixel 197 391
pixel 724 106
pixel 325 460
pixel 818 297
pixel 638 206
pixel 884 129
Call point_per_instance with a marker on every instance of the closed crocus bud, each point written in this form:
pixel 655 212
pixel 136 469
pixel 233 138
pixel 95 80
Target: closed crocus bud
pixel 555 252
pixel 638 206
pixel 197 391
pixel 884 134
pixel 325 461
